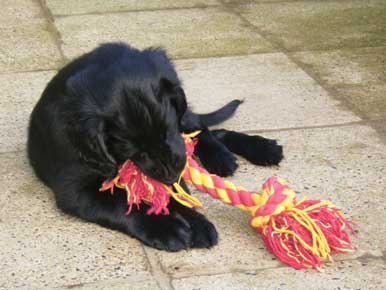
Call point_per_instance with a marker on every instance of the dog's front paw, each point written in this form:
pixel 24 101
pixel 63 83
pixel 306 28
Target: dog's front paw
pixel 262 151
pixel 219 161
pixel 204 233
pixel 165 232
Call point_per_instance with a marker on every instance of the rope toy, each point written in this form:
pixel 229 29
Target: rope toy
pixel 301 234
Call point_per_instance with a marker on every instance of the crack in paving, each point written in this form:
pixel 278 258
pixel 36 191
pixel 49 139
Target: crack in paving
pixel 163 280
pixel 128 279
pixel 239 271
pixel 365 258
pixel 52 29
pixel 123 11
pixel 362 122
pixel 29 71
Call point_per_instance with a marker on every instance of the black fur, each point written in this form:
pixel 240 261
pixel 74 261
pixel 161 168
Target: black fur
pixel 256 149
pixel 117 103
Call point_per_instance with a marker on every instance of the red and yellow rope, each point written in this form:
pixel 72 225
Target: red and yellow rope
pixel 301 234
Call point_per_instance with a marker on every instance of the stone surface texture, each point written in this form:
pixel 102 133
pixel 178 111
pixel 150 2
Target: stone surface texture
pixel 185 33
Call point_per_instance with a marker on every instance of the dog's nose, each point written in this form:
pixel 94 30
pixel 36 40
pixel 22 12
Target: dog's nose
pixel 168 181
pixel 170 178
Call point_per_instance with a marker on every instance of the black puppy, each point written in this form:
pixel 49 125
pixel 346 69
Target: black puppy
pixel 117 103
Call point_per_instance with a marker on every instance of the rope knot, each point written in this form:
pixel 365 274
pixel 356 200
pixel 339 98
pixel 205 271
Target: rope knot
pixel 275 197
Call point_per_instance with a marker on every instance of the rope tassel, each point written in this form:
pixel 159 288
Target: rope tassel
pixel 301 234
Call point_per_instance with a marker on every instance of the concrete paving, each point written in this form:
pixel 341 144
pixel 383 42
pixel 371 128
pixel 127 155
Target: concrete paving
pixel 313 76
pixel 20 92
pixel 180 31
pixel 273 87
pixel 26 42
pixel 319 25
pixel 357 76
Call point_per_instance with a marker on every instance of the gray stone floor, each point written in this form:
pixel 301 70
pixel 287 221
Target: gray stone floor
pixel 313 75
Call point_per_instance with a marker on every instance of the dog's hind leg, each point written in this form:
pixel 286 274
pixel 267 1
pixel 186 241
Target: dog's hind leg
pixel 256 149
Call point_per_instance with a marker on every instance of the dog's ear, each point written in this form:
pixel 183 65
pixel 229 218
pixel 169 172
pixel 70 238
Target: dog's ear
pixel 86 121
pixel 94 144
pixel 175 94
pixel 94 152
pixel 101 141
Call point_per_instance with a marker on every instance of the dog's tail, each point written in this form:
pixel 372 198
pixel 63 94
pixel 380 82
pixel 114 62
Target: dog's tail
pixel 219 115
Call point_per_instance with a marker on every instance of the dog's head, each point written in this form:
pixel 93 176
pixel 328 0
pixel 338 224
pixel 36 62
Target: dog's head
pixel 143 126
pixel 130 110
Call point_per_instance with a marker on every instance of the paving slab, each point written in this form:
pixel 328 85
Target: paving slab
pixel 306 25
pixel 358 76
pixel 27 46
pixel 40 247
pixel 347 275
pixel 277 93
pixel 185 33
pixel 20 92
pixel 59 7
pixel 27 43
pixel 343 164
pixel 14 11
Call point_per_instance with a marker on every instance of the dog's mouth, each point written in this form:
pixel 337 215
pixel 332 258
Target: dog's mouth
pixel 167 180
pixel 170 182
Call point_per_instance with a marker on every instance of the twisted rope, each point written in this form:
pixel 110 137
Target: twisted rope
pixel 301 234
